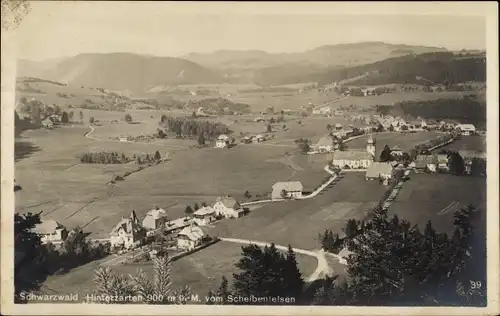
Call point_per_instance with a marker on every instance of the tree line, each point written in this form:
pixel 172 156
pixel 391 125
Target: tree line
pixel 394 263
pixel 191 128
pixel 104 158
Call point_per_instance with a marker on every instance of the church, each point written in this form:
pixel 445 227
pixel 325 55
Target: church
pixel 354 159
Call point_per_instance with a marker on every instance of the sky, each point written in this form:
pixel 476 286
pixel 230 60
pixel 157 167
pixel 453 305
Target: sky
pixel 62 29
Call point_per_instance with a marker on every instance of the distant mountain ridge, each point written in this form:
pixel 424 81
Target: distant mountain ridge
pixel 323 56
pixel 119 71
pixel 133 72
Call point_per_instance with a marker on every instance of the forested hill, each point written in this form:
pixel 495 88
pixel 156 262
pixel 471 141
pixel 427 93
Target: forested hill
pixel 425 68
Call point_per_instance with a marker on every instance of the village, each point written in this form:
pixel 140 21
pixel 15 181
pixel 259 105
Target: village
pixel 135 239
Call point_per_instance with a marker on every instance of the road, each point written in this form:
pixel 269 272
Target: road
pixel 321 269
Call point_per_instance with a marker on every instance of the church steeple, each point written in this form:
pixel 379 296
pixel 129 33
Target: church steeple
pixel 370 146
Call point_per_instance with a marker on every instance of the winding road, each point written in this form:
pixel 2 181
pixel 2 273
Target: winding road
pixel 321 269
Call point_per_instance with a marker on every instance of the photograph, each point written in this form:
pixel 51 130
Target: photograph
pixel 227 158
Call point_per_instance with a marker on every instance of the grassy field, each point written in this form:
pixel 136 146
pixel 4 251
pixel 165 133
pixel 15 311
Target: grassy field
pixel 406 141
pixel 425 196
pixel 392 98
pixel 469 143
pixel 199 270
pixel 78 194
pixel 299 222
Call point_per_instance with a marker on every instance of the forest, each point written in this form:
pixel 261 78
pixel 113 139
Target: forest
pixel 190 127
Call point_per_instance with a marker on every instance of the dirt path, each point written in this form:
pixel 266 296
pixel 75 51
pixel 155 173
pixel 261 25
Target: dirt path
pixel 321 269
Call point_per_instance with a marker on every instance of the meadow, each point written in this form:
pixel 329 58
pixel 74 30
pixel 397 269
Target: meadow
pixel 474 143
pixel 299 222
pixel 202 271
pixel 436 197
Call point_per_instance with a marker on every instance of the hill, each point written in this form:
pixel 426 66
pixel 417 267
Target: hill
pixel 120 71
pixel 324 56
pixel 437 67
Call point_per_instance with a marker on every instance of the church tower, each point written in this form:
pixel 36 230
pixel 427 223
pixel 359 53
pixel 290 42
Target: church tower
pixel 370 146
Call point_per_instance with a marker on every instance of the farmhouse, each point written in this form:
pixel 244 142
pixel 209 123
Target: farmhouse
pixel 228 207
pixel 204 215
pixel 258 139
pixel 323 110
pixel 426 162
pixel 155 219
pixel 344 254
pixel 128 233
pixel 324 145
pixel 47 123
pixel 190 237
pixel 379 170
pixel 51 231
pixel 466 129
pixel 290 189
pixel 123 138
pixel 176 225
pixel 442 162
pixel 222 141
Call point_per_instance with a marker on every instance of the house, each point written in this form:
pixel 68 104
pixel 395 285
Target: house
pixel 324 145
pixel 204 215
pixel 466 129
pixel 290 189
pixel 50 231
pixel 355 159
pixel 344 254
pixel 338 113
pixel 128 233
pixel 228 207
pixel 123 138
pixel 258 139
pixel 47 123
pixel 379 170
pixel 155 219
pixel 246 140
pixel 396 151
pixel 442 162
pixel 176 225
pixel 426 162
pixel 190 237
pixel 323 110
pixel 222 141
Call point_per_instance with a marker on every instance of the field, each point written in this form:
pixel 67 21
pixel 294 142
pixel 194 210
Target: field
pixel 299 222
pixel 426 197
pixel 467 143
pixel 406 141
pixel 392 98
pixel 77 194
pixel 199 270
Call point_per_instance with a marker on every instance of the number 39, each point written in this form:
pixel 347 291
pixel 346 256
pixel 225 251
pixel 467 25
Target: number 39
pixel 475 284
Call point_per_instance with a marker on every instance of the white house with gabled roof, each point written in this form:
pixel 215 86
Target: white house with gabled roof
pixel 204 215
pixel 155 218
pixel 289 189
pixel 228 207
pixel 222 141
pixel 190 237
